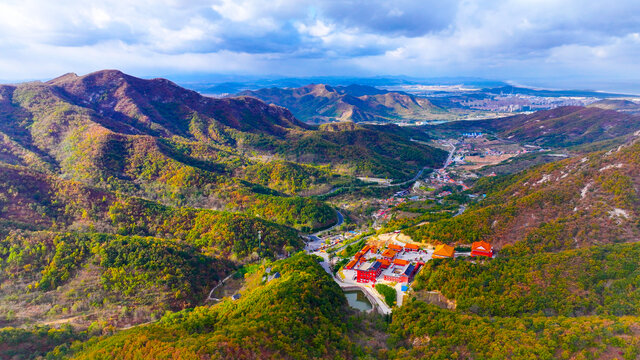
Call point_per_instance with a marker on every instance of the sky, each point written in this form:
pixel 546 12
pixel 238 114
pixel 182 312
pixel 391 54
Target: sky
pixel 570 43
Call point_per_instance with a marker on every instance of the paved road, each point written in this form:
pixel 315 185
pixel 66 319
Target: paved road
pixel 399 294
pixel 461 210
pixel 209 298
pixel 338 223
pixel 315 241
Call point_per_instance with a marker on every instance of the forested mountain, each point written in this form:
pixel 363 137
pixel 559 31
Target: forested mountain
pixel 122 198
pixel 153 139
pixel 303 315
pixel 320 103
pixel 298 316
pixel 124 201
pixel 581 201
pixel 104 127
pixel 560 127
pixel 80 253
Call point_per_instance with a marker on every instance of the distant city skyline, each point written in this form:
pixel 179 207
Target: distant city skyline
pixel 557 44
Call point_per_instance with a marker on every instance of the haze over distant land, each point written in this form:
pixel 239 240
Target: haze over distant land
pixel 559 44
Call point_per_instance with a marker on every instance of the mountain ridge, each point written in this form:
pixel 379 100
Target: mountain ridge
pixel 560 127
pixel 319 103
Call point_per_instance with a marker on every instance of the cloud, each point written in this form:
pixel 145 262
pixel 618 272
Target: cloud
pixel 514 39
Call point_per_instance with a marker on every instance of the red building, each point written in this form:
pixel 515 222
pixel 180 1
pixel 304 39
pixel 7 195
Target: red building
pixel 385 263
pixel 389 254
pixel 400 262
pixel 411 247
pixel 368 272
pixel 351 264
pixel 481 248
pixel 394 247
pixel 402 274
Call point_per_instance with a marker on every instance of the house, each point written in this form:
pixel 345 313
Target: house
pixel 235 297
pixel 365 249
pixel 400 262
pixel 401 274
pixel 351 264
pixel 443 251
pixel 389 254
pixel 385 263
pixel 394 247
pixel 411 247
pixel 481 248
pixel 368 271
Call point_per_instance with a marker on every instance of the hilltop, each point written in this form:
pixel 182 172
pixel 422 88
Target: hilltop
pixel 297 316
pixel 627 106
pixel 320 103
pixel 109 121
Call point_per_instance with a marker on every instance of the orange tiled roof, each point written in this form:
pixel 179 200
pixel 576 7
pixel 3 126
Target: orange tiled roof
pixel 351 264
pixel 481 246
pixel 395 247
pixel 385 262
pixel 443 251
pixel 412 247
pixel 389 253
pixel 400 262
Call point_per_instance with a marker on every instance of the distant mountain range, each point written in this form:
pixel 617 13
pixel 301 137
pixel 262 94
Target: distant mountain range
pixel 225 85
pixel 320 103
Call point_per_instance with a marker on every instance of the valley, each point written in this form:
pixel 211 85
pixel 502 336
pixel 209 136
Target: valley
pixel 142 219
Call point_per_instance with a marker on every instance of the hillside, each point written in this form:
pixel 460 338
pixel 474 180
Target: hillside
pixel 627 106
pixel 576 202
pixel 561 127
pixel 596 280
pixel 123 198
pixel 303 315
pixel 78 254
pixel 297 316
pixel 319 103
pixel 154 138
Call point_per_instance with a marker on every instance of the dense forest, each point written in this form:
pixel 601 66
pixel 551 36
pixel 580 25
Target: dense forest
pixel 600 280
pixel 421 331
pixel 298 316
pixel 555 206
